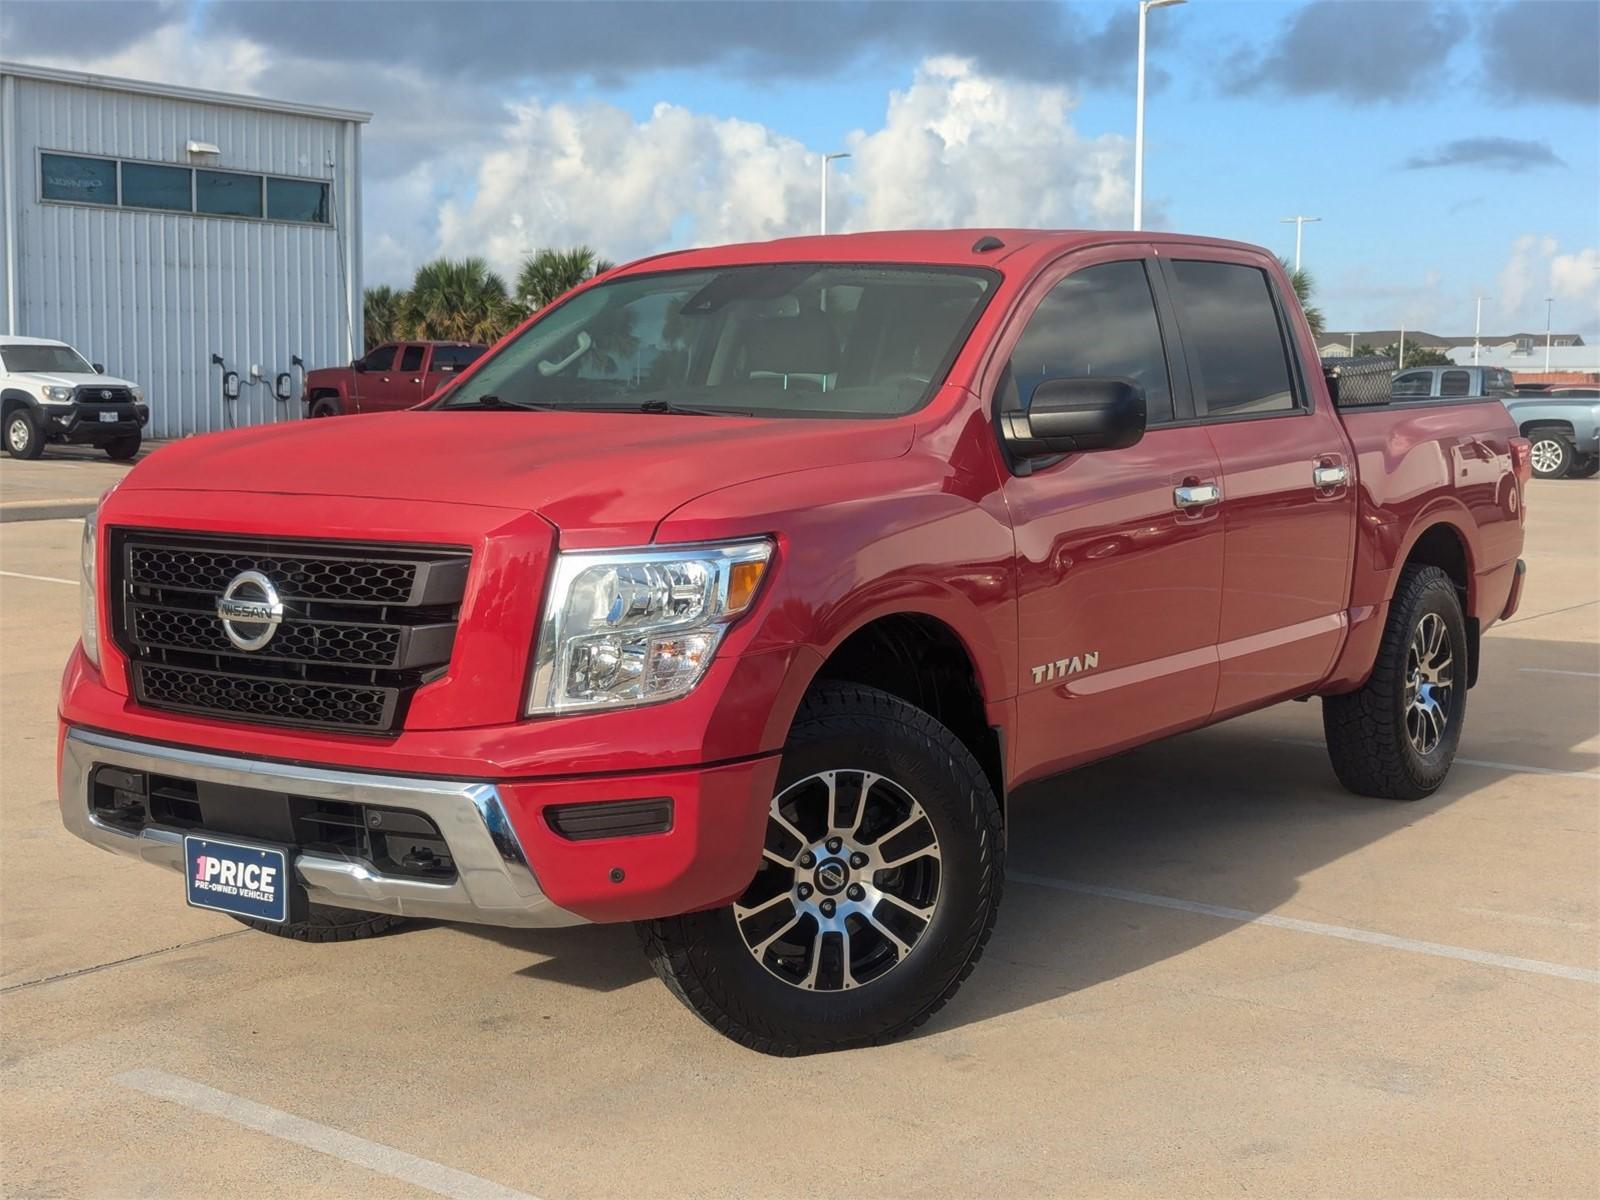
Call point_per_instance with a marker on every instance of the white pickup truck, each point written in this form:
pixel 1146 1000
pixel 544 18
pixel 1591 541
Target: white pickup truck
pixel 50 393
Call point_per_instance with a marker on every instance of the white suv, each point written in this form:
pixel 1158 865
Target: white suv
pixel 50 393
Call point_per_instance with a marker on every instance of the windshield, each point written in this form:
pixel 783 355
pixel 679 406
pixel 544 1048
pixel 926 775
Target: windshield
pixel 47 359
pixel 774 340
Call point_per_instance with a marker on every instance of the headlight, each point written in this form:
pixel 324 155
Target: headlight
pixel 89 590
pixel 57 395
pixel 638 626
pixel 138 393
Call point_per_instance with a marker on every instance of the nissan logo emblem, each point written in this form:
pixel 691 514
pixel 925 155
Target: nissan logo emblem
pixel 831 876
pixel 250 610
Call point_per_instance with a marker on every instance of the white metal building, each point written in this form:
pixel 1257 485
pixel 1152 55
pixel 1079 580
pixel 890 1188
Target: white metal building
pixel 153 227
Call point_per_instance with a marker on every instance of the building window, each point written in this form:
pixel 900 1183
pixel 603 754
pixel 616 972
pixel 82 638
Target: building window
pixel 146 185
pixel 297 200
pixel 84 180
pixel 224 194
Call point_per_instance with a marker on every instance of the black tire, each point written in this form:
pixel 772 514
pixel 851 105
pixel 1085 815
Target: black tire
pixel 705 960
pixel 326 406
pixel 1584 467
pixel 326 923
pixel 124 449
pixel 1372 733
pixel 1553 453
pixel 23 439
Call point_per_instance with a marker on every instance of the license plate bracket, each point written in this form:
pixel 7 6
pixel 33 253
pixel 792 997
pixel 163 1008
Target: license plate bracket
pixel 110 418
pixel 243 879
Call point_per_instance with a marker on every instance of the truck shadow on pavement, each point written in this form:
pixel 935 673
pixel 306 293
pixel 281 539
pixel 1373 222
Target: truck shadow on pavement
pixel 1233 815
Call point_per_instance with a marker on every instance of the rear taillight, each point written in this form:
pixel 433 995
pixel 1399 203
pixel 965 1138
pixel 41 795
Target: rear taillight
pixel 1522 458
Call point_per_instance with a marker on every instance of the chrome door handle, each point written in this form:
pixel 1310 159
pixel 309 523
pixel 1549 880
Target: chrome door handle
pixel 1196 496
pixel 1327 477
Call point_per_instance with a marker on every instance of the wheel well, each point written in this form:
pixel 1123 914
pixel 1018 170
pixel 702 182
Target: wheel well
pixel 9 403
pixel 1442 547
pixel 322 394
pixel 922 661
pixel 1533 427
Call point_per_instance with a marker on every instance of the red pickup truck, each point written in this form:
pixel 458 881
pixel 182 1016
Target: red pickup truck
pixel 735 593
pixel 394 375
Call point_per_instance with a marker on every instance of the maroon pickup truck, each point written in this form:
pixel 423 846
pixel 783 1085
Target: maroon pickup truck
pixel 736 593
pixel 394 375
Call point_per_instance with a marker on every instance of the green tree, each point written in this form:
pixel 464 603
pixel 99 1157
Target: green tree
pixel 1304 286
pixel 459 300
pixel 383 315
pixel 1418 356
pixel 548 274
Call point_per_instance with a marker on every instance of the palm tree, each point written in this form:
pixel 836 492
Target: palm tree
pixel 548 274
pixel 383 315
pixel 458 300
pixel 1303 286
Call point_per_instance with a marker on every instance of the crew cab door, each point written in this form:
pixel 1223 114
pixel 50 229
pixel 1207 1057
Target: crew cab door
pixel 369 386
pixel 1118 552
pixel 1288 479
pixel 398 387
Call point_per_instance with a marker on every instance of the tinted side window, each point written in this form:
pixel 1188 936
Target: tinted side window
pixel 1455 383
pixel 1235 344
pixel 86 180
pixel 1097 323
pixel 380 359
pixel 1413 383
pixel 454 358
pixel 411 360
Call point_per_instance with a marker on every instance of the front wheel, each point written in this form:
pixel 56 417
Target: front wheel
pixel 1397 736
pixel 1552 454
pixel 326 406
pixel 23 439
pixel 877 890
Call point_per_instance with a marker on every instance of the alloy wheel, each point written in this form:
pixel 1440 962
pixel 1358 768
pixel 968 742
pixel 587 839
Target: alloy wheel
pixel 848 885
pixel 1430 681
pixel 1547 456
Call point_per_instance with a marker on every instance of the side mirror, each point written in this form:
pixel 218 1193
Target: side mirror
pixel 358 365
pixel 1069 416
pixel 283 387
pixel 99 368
pixel 230 385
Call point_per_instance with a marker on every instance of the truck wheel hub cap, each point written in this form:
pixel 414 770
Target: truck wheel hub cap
pixel 849 882
pixel 1546 455
pixel 1430 682
pixel 18 434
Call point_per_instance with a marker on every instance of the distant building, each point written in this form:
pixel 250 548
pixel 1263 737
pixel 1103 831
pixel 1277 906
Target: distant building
pixel 1334 344
pixel 1568 364
pixel 153 227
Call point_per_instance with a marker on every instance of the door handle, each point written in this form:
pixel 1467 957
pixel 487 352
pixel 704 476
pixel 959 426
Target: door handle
pixel 418 380
pixel 1196 495
pixel 1330 477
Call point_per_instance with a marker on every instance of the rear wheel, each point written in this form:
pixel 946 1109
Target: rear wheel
pixel 1552 453
pixel 124 449
pixel 1397 736
pixel 878 886
pixel 23 439
pixel 325 923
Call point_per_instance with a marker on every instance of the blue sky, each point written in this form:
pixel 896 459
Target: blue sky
pixel 1451 149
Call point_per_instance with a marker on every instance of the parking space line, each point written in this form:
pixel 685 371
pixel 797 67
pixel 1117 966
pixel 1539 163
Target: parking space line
pixel 1532 966
pixel 1489 763
pixel 324 1139
pixel 38 578
pixel 1559 671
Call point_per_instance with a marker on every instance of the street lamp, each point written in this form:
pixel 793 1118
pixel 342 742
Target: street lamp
pixel 1138 114
pixel 1548 301
pixel 826 159
pixel 1299 229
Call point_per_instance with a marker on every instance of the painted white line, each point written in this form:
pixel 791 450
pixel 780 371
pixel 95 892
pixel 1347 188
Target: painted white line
pixel 385 1160
pixel 39 578
pixel 1533 966
pixel 1490 764
pixel 1558 671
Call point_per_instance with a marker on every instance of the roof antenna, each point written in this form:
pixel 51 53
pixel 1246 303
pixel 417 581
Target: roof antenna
pixel 987 243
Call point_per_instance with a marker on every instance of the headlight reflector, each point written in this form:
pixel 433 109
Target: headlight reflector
pixel 56 395
pixel 88 588
pixel 638 626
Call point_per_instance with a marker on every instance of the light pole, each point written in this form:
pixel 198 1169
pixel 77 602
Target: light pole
pixel 1548 301
pixel 1138 114
pixel 826 159
pixel 1477 331
pixel 1299 229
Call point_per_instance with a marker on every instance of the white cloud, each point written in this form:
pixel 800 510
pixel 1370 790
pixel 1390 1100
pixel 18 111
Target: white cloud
pixel 1524 270
pixel 1536 269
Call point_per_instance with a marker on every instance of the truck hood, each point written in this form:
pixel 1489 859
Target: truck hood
pixel 61 379
pixel 613 476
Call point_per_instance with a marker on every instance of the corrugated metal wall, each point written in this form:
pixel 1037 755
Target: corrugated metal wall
pixel 154 295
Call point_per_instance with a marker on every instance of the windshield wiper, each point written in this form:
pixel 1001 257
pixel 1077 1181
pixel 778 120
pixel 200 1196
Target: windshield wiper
pixel 658 405
pixel 492 401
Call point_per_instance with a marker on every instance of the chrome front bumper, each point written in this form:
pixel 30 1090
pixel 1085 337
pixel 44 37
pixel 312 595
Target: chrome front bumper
pixel 494 884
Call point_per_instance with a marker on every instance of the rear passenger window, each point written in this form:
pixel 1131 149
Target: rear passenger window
pixel 1235 344
pixel 1413 383
pixel 411 359
pixel 454 358
pixel 1099 323
pixel 1455 383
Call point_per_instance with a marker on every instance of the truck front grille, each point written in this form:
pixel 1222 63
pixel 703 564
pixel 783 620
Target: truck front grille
pixel 92 393
pixel 362 627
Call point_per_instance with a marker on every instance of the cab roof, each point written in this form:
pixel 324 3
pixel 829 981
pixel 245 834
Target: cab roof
pixel 8 339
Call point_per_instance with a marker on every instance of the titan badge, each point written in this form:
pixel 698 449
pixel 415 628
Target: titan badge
pixel 1063 667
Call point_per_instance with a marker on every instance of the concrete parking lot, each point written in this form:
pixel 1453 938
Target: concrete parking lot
pixel 1215 972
